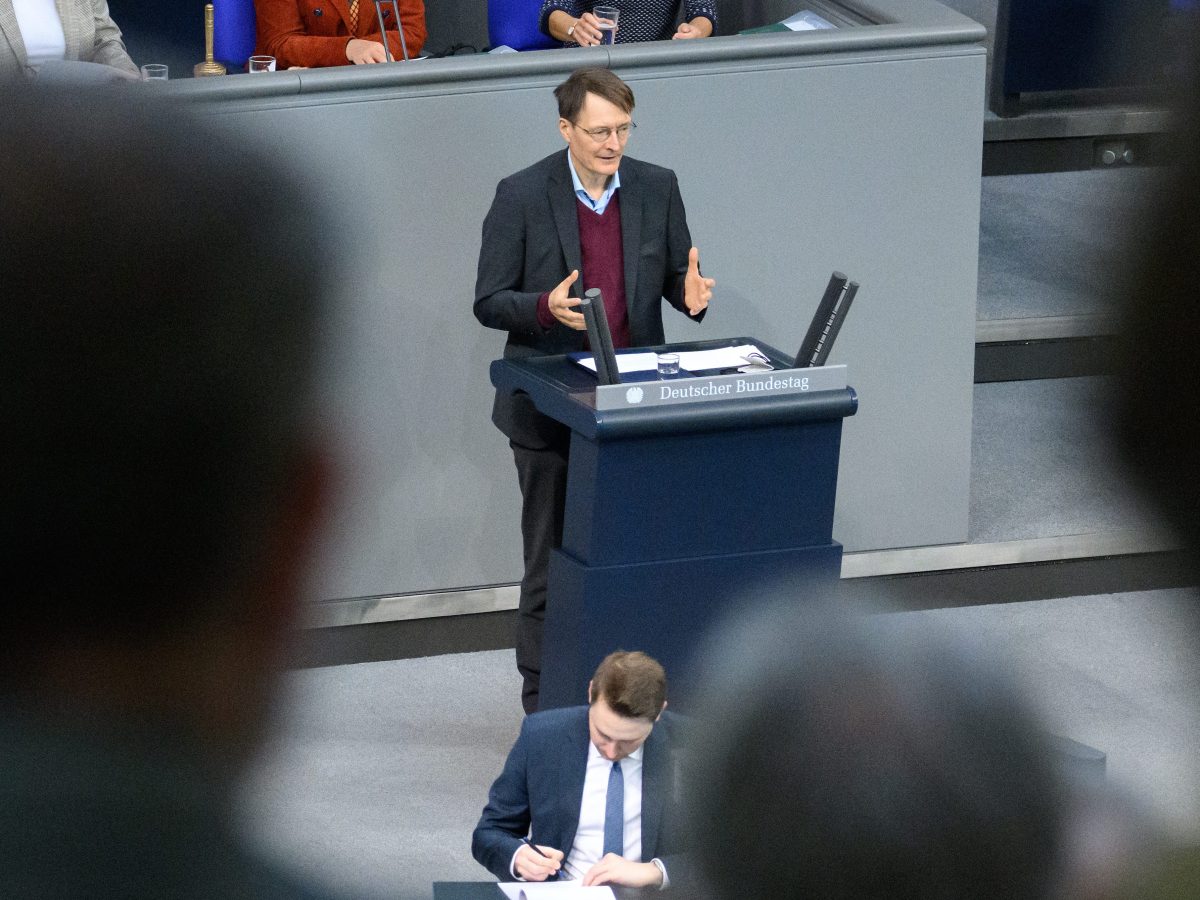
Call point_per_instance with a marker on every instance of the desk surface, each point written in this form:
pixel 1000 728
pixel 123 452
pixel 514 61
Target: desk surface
pixel 466 890
pixel 900 25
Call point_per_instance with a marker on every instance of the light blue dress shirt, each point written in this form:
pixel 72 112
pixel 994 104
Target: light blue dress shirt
pixel 596 206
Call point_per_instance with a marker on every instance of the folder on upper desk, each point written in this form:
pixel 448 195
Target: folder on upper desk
pixel 805 20
pixel 765 29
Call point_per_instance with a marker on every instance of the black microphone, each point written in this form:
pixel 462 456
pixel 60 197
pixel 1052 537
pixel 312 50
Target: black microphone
pixel 395 10
pixel 599 336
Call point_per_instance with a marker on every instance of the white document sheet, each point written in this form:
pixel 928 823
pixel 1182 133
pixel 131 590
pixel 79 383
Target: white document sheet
pixel 722 358
pixel 691 361
pixel 807 21
pixel 627 362
pixel 555 890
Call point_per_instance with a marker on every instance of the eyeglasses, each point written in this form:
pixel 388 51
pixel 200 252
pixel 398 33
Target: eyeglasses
pixel 600 135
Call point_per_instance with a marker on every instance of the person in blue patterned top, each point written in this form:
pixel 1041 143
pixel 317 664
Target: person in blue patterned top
pixel 574 23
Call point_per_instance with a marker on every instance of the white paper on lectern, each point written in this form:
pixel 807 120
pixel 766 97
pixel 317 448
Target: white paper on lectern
pixel 721 358
pixel 626 362
pixel 689 361
pixel 555 890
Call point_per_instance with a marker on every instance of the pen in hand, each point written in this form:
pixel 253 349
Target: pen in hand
pixel 534 847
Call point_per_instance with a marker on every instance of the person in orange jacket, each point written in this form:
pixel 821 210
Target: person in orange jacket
pixel 315 33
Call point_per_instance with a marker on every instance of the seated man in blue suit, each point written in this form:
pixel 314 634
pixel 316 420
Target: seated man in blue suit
pixel 595 786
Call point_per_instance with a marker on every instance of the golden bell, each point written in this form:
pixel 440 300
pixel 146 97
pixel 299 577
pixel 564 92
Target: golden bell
pixel 210 66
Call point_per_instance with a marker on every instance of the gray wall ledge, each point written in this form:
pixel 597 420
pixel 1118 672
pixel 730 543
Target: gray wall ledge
pixel 909 23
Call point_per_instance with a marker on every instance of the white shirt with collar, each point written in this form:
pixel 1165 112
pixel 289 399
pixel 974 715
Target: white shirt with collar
pixel 589 835
pixel 41 30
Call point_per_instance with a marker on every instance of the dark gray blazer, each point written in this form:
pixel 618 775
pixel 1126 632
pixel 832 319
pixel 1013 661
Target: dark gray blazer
pixel 531 243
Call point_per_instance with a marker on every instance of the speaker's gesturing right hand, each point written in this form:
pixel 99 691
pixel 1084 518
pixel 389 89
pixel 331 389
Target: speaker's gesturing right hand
pixel 564 307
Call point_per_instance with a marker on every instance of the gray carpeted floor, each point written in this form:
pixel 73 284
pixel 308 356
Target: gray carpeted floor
pixel 1118 672
pixel 1050 244
pixel 381 769
pixel 1042 466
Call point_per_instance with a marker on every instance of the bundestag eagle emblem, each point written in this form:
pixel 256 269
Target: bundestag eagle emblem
pixel 633 395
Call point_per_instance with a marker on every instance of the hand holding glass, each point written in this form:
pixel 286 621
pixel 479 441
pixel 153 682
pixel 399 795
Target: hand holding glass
pixel 608 16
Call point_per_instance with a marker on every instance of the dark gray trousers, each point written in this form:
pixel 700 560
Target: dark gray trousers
pixel 542 475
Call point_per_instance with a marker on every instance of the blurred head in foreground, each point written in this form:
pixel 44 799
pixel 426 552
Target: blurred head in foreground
pixel 1158 387
pixel 856 758
pixel 162 479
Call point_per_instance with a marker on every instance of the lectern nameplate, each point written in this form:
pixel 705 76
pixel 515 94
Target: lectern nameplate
pixel 703 389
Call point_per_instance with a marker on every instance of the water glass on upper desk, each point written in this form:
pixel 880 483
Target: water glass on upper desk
pixel 154 72
pixel 608 16
pixel 260 64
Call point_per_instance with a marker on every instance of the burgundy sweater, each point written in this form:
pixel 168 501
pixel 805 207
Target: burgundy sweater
pixel 603 261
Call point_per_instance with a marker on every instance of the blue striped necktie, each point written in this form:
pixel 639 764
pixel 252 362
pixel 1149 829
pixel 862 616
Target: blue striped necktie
pixel 614 812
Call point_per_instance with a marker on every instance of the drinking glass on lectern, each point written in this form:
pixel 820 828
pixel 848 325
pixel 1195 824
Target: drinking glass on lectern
pixel 154 72
pixel 260 64
pixel 608 16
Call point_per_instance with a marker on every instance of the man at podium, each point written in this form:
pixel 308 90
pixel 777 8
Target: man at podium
pixel 584 217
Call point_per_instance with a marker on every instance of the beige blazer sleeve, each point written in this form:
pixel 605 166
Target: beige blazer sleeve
pixel 12 49
pixel 91 35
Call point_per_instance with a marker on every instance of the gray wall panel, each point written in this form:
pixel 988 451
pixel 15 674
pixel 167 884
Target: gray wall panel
pixel 789 166
pixel 879 185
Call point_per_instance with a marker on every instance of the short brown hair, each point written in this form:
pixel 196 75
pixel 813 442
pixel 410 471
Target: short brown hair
pixel 601 82
pixel 633 684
